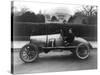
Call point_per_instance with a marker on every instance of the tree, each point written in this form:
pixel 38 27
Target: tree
pixel 40 18
pixel 26 17
pixel 89 10
pixel 30 17
pixel 87 15
pixel 54 18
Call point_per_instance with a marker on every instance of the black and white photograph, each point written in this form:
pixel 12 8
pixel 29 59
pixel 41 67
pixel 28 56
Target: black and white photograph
pixel 53 37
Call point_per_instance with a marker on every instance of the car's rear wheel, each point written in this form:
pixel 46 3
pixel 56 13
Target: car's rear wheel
pixel 29 53
pixel 82 51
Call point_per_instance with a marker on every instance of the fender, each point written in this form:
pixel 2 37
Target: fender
pixel 78 40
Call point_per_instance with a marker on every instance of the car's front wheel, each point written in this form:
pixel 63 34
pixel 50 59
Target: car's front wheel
pixel 29 53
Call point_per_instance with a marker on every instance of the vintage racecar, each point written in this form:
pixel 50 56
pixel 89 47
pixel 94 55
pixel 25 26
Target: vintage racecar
pixel 45 43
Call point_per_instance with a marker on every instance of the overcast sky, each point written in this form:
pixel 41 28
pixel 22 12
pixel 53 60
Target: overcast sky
pixel 46 7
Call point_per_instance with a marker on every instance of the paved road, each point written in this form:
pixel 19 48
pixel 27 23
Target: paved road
pixel 55 61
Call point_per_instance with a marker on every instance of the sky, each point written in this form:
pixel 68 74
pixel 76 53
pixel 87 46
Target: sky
pixel 46 7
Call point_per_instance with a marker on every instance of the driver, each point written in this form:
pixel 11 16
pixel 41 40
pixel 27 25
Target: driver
pixel 68 35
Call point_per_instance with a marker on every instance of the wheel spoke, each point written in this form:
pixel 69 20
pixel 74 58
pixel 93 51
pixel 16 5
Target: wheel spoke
pixel 25 57
pixel 28 53
pixel 24 53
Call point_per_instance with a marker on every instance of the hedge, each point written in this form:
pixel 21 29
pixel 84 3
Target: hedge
pixel 25 29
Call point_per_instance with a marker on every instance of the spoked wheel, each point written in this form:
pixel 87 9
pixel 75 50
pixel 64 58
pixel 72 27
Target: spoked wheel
pixel 82 51
pixel 29 53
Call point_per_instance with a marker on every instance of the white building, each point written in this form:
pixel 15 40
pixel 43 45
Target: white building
pixel 61 15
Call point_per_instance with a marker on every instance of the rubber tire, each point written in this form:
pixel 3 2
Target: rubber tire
pixel 76 51
pixel 35 49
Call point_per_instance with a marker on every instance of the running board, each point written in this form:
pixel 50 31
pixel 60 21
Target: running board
pixel 62 47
